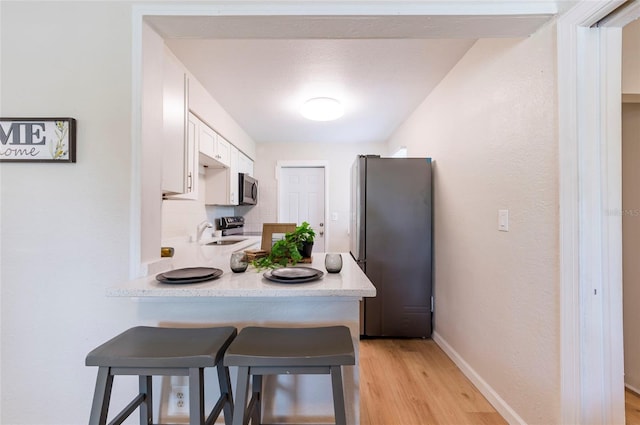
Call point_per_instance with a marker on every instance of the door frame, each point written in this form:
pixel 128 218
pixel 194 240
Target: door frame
pixel 306 164
pixel 589 111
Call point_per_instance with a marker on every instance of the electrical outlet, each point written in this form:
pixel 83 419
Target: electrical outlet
pixel 178 400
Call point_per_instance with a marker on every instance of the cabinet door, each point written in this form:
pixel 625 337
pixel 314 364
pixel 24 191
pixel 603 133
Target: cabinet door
pixel 174 121
pixel 245 164
pixel 223 154
pixel 233 176
pixel 207 140
pixel 192 154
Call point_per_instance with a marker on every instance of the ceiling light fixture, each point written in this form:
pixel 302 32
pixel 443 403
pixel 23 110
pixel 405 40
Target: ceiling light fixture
pixel 322 109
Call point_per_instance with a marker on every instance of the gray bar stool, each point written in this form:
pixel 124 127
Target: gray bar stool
pixel 259 351
pixel 148 351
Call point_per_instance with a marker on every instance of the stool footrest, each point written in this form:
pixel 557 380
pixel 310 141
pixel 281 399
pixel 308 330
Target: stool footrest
pixel 253 404
pixel 128 410
pixel 215 412
pixel 291 370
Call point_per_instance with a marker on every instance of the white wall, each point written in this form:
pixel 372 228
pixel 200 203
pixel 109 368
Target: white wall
pixel 631 241
pixel 491 128
pixel 339 157
pixel 65 227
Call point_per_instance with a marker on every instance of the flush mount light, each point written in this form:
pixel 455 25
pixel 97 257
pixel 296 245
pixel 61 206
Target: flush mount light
pixel 322 109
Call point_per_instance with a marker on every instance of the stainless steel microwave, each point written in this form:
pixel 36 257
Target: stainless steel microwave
pixel 248 189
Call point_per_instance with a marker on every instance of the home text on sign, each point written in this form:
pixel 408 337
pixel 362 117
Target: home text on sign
pixel 23 133
pixel 38 139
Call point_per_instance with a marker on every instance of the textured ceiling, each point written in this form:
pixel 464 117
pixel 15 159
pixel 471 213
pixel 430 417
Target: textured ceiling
pixel 262 69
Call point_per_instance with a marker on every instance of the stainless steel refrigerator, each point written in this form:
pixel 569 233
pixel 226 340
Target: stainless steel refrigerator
pixel 391 240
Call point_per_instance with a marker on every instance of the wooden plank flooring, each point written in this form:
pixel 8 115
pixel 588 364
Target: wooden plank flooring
pixel 632 410
pixel 413 382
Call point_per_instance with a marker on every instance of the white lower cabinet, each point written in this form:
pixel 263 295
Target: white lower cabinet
pixel 222 183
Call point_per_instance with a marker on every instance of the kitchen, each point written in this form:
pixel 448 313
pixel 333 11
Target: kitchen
pixel 96 207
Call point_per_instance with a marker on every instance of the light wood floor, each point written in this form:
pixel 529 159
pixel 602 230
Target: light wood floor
pixel 412 382
pixel 632 410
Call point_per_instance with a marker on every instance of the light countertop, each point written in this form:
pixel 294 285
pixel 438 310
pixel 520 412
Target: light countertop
pixel 350 282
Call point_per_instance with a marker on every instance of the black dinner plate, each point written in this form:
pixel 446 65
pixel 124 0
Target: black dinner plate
pixel 190 273
pixel 269 276
pixel 216 273
pixel 294 272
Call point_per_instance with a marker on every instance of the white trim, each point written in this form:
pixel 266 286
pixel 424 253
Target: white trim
pixel 307 164
pixel 611 175
pixel 371 8
pixel 590 259
pixel 136 267
pixel 487 391
pixel 629 12
pixel 568 193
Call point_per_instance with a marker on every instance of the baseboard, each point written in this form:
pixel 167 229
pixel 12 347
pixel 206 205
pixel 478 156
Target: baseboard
pixel 632 389
pixel 489 393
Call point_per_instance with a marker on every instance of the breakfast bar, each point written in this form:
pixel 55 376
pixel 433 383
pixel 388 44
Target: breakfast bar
pixel 249 299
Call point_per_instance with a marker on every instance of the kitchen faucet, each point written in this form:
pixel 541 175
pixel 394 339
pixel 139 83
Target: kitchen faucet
pixel 201 228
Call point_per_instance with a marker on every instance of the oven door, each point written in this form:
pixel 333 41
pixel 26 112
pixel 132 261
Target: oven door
pixel 248 190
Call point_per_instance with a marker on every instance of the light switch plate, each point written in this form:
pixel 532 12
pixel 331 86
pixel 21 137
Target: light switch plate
pixel 503 220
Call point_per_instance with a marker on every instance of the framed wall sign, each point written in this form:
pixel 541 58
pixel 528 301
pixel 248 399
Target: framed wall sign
pixel 37 140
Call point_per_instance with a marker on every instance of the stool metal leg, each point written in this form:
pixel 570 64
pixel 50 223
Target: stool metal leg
pixel 256 416
pixel 241 395
pixel 338 396
pixel 146 408
pixel 101 397
pixel 196 396
pixel 224 381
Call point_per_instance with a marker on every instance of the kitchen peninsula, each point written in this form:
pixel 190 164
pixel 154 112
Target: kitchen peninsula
pixel 243 299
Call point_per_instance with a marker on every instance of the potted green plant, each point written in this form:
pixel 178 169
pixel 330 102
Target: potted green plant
pixel 289 250
pixel 304 236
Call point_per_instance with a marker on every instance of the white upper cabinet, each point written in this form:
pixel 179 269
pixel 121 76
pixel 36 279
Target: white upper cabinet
pixel 191 155
pixel 245 164
pixel 214 149
pixel 222 183
pixel 179 164
pixel 208 140
pixel 223 154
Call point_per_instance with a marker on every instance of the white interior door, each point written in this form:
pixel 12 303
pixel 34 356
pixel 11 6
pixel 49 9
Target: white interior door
pixel 301 198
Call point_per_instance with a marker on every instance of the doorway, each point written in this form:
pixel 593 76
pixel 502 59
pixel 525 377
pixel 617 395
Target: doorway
pixel 585 249
pixel 589 75
pixel 302 197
